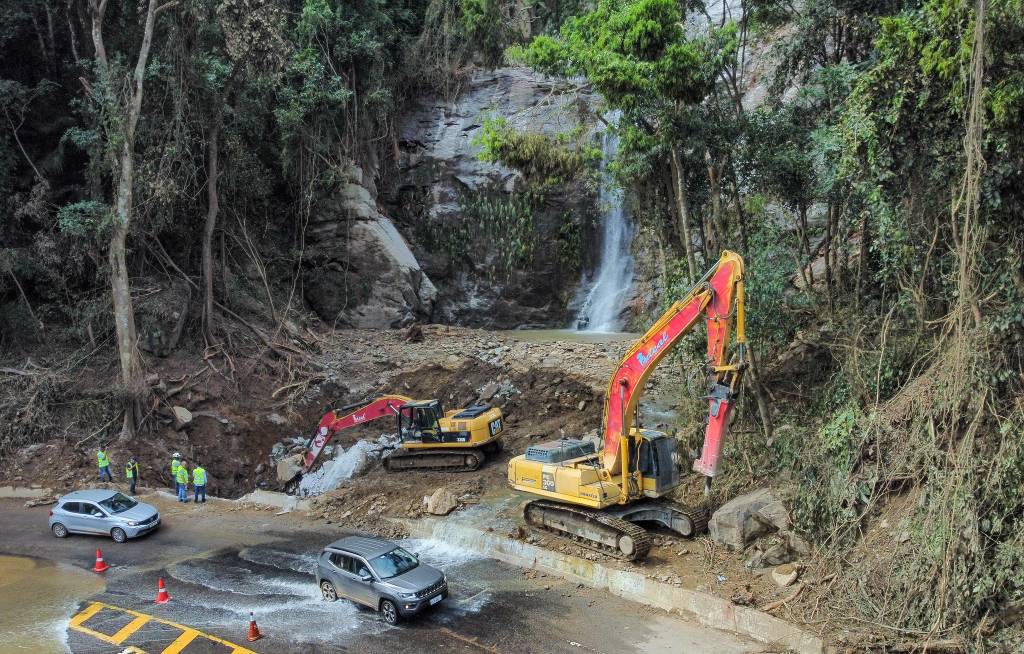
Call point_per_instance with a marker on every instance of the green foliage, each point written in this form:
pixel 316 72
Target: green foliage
pixel 543 160
pixel 634 53
pixel 489 27
pixel 87 218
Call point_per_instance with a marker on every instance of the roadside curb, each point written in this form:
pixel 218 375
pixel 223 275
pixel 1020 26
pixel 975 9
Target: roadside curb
pixel 24 492
pixel 708 610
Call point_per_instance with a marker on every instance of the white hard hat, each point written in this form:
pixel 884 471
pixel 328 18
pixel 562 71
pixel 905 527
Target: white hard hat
pixel 177 455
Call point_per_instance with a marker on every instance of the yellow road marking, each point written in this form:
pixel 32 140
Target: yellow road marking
pixel 188 634
pixel 181 642
pixel 129 629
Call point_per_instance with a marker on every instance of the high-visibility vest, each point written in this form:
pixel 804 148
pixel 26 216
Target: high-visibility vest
pixel 175 464
pixel 101 458
pixel 199 476
pixel 130 470
pixel 182 475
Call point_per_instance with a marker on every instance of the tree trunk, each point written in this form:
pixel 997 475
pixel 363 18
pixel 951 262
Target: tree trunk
pixel 212 208
pixel 124 172
pixel 720 228
pixel 754 383
pixel 683 222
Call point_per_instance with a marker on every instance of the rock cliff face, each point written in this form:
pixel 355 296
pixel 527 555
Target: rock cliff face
pixel 438 173
pixel 417 252
pixel 360 271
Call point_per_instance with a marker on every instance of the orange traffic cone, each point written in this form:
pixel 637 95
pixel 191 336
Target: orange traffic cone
pixel 254 631
pixel 161 593
pixel 100 564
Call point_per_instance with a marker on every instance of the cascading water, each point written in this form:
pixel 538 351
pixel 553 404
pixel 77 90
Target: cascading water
pixel 614 276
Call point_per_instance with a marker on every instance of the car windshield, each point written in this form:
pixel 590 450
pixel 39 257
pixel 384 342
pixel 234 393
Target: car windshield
pixel 394 563
pixel 118 503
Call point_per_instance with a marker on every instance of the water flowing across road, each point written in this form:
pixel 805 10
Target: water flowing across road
pixel 613 279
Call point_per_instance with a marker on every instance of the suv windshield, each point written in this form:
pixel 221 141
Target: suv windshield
pixel 117 503
pixel 394 563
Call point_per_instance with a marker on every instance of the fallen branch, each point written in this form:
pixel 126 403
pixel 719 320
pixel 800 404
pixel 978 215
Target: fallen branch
pixel 15 371
pixel 110 422
pixel 951 645
pixel 771 606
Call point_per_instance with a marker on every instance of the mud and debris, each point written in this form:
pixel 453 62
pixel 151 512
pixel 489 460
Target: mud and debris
pixel 548 386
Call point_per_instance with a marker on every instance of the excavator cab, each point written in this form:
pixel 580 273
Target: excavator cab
pixel 420 421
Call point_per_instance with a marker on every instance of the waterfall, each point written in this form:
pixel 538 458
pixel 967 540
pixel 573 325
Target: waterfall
pixel 614 276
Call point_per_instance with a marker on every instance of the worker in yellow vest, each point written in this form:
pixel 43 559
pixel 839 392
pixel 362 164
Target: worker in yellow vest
pixel 199 482
pixel 104 463
pixel 131 473
pixel 182 478
pixel 175 464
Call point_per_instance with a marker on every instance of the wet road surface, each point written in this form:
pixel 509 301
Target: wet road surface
pixel 220 565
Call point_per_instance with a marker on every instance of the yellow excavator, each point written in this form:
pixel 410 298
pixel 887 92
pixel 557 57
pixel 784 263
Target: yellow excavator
pixel 601 499
pixel 431 438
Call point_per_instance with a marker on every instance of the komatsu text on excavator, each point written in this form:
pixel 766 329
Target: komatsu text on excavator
pixel 432 439
pixel 596 498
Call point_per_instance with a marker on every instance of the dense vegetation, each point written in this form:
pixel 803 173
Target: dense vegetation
pixel 865 157
pixel 876 194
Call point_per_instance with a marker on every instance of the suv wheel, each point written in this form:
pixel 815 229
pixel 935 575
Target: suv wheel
pixel 59 530
pixel 327 590
pixel 389 612
pixel 118 535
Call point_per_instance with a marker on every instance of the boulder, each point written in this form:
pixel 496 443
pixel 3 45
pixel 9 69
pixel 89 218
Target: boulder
pixel 743 519
pixel 441 502
pixel 777 555
pixel 785 575
pixel 182 417
pixel 288 468
pixel 489 391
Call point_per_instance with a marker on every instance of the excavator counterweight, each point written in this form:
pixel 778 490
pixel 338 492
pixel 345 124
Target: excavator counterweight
pixel 597 498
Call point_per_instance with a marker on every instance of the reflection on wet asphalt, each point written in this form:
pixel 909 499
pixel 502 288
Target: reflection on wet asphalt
pixel 277 585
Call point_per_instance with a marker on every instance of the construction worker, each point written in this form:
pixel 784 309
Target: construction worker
pixel 182 478
pixel 131 473
pixel 199 482
pixel 175 464
pixel 104 463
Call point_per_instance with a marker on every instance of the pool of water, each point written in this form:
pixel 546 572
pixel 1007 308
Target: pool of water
pixel 568 336
pixel 40 626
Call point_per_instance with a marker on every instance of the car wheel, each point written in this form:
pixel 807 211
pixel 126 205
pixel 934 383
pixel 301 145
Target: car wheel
pixel 59 530
pixel 327 590
pixel 118 535
pixel 389 612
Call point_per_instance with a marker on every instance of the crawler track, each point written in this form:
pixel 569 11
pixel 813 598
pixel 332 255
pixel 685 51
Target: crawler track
pixel 451 460
pixel 593 529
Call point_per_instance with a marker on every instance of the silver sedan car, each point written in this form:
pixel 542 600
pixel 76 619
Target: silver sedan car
pixel 99 511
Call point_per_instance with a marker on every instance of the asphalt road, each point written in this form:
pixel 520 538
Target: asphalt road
pixel 220 564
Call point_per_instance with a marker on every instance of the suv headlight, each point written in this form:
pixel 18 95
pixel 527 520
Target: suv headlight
pixel 132 523
pixel 407 596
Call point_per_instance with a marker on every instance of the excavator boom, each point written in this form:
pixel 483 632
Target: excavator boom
pixel 334 421
pixel 712 298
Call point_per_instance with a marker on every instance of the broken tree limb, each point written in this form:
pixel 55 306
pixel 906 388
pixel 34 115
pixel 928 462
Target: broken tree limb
pixel 947 646
pixel 771 606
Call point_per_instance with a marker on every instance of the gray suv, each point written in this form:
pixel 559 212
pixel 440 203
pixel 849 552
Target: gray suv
pixel 106 512
pixel 379 574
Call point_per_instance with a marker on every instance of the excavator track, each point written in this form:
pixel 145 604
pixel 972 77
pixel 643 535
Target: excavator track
pixel 450 460
pixel 592 529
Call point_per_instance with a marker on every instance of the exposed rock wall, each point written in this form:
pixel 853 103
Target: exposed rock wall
pixel 438 168
pixel 359 269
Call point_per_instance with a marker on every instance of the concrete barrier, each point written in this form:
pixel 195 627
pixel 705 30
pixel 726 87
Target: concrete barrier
pixel 24 493
pixel 706 609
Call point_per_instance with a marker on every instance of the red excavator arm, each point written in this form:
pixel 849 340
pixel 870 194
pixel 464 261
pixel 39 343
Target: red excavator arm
pixel 337 420
pixel 718 296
